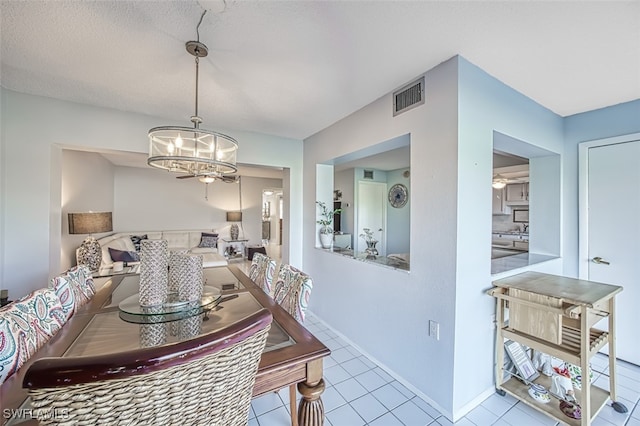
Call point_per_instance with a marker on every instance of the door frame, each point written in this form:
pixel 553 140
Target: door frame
pixel 583 191
pixel 383 236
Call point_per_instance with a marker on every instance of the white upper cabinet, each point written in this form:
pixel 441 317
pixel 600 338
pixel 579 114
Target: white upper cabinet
pixel 499 202
pixel 517 193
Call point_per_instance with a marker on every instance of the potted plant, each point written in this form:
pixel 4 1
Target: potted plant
pixel 367 234
pixel 326 220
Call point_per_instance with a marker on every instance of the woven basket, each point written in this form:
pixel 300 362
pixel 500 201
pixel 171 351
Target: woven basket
pixel 154 263
pixel 213 390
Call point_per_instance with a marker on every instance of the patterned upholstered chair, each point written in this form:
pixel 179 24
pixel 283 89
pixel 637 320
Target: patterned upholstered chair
pixel 81 284
pixel 207 380
pixel 292 291
pixel 25 326
pixel 63 287
pixel 262 271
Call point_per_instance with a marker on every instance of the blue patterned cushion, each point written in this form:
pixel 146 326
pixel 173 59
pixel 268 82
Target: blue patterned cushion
pixel 208 240
pixel 13 350
pixel 261 272
pixel 64 290
pixel 82 284
pixel 123 256
pixel 292 291
pixel 25 326
pixel 135 239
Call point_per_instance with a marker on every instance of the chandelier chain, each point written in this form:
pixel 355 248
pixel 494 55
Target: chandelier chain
pixel 198 27
pixel 196 120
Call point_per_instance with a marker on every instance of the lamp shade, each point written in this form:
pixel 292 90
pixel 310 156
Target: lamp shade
pixel 90 223
pixel 234 216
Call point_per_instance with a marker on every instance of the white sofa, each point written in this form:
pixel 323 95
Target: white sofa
pixel 177 240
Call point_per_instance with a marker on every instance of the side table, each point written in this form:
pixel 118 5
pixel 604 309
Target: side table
pixel 235 249
pixel 255 249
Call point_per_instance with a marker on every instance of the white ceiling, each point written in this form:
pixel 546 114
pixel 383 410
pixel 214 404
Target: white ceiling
pixel 291 68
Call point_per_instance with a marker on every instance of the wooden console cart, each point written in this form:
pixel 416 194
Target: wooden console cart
pixel 555 315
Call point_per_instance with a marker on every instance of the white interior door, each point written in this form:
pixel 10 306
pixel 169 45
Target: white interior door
pixel 613 206
pixel 372 214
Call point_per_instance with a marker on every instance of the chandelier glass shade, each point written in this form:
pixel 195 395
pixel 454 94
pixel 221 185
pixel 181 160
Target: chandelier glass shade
pixel 192 150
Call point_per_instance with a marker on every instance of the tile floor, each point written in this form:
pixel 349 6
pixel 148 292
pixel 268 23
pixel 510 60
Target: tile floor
pixel 361 393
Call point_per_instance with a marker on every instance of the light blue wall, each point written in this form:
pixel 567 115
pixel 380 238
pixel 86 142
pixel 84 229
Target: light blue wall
pixel 398 220
pixel 486 106
pixel 383 311
pixel 616 120
pixel 451 166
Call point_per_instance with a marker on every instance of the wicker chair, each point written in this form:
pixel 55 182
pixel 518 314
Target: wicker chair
pixel 262 271
pixel 207 380
pixel 292 291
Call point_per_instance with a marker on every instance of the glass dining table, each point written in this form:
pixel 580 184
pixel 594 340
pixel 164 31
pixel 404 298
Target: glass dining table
pixel 111 323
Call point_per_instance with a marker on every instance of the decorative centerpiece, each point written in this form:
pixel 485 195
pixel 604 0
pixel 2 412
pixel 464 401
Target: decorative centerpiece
pixel 174 269
pixel 190 277
pixel 153 335
pixel 371 249
pixel 154 277
pixel 326 231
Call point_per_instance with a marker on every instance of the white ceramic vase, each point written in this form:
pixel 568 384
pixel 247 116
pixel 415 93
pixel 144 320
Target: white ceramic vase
pixel 326 237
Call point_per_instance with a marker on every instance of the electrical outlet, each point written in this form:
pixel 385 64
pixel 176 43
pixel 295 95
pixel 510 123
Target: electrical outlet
pixel 434 329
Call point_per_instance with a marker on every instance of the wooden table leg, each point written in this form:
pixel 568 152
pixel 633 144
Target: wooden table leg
pixel 311 409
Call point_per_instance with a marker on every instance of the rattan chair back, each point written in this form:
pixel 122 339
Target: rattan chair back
pixel 207 380
pixel 292 290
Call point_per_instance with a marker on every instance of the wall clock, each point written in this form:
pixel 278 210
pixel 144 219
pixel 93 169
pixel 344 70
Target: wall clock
pixel 398 195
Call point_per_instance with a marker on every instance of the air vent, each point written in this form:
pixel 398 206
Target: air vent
pixel 368 174
pixel 410 96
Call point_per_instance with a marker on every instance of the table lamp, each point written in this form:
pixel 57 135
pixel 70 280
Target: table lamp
pixel 234 217
pixel 90 252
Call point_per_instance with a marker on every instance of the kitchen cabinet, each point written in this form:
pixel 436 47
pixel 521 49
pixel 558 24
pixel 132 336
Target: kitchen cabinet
pixel 517 193
pixel 555 315
pixel 521 245
pixel 510 240
pixel 499 204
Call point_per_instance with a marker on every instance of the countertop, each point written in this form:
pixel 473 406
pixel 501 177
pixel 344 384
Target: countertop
pixel 521 234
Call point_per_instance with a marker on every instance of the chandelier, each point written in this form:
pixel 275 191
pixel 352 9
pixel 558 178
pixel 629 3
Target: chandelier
pixel 192 150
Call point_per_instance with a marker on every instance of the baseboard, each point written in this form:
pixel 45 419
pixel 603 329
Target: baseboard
pixel 392 373
pixel 475 402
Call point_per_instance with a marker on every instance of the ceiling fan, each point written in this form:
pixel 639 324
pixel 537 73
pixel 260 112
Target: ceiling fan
pixel 212 178
pixel 207 179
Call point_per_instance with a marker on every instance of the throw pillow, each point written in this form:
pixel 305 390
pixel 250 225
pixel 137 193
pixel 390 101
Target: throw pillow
pixel 123 256
pixel 135 239
pixel 208 240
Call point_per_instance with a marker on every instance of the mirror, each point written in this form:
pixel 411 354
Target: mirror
pixel 373 189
